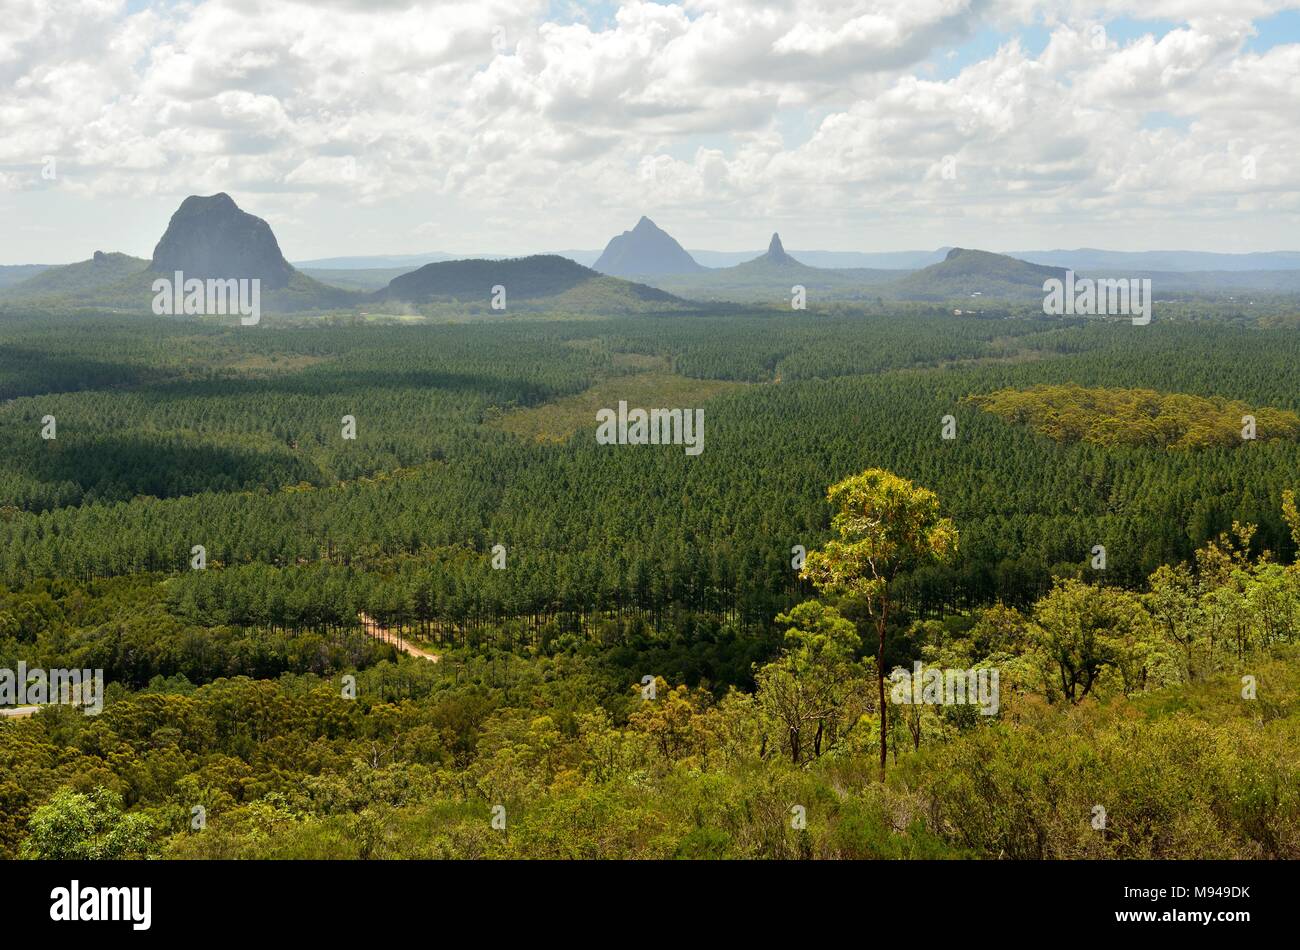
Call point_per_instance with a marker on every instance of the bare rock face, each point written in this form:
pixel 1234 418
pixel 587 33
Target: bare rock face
pixel 776 252
pixel 211 237
pixel 644 251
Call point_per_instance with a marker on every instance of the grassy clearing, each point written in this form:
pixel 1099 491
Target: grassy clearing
pixel 657 388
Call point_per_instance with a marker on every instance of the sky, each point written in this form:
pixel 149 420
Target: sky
pixel 517 126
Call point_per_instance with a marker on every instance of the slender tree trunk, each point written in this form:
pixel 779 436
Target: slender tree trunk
pixel 880 680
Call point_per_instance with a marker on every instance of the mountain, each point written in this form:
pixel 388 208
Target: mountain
pixel 829 260
pixel 406 262
pixel 1081 259
pixel 1216 282
pixel 775 256
pixel 15 273
pixel 965 273
pixel 543 280
pixel 211 237
pixel 361 278
pixel 207 237
pixel 771 277
pixel 836 260
pixel 101 271
pixel 585 258
pixel 645 250
pixel 1087 258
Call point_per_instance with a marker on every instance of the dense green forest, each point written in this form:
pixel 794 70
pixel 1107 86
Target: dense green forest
pixel 250 690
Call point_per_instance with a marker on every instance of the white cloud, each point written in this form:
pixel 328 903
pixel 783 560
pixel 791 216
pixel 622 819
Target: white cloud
pixel 485 113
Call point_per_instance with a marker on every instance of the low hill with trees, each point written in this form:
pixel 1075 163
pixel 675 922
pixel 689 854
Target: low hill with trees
pixel 540 281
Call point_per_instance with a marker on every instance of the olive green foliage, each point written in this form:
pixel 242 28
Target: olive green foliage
pixel 1164 688
pixel 1138 417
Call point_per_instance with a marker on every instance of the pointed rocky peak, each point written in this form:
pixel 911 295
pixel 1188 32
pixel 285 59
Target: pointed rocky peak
pixel 645 250
pixel 776 252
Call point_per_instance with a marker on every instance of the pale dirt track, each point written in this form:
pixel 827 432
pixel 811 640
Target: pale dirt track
pixel 373 629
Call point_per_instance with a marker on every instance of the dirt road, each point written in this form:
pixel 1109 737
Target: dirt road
pixel 373 629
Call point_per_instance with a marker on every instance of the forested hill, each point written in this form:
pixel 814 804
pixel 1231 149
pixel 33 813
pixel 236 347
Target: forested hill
pixel 540 280
pixel 966 272
pixel 207 237
pixel 125 284
pixel 14 273
pixel 82 279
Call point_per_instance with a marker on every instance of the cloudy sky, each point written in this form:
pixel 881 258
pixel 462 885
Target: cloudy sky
pixel 512 126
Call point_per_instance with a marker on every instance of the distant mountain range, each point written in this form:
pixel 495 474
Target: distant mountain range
pixel 16 273
pixel 211 237
pixel 1186 261
pixel 1080 260
pixel 771 276
pixel 1215 281
pixel 375 261
pixel 961 273
pixel 640 270
pixel 361 278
